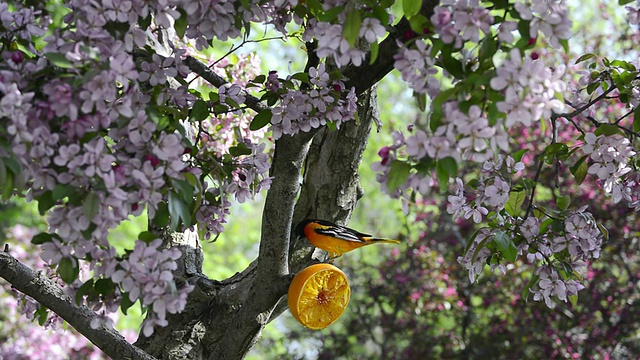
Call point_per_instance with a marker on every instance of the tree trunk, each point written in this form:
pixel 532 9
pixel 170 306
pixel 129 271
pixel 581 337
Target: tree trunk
pixel 224 319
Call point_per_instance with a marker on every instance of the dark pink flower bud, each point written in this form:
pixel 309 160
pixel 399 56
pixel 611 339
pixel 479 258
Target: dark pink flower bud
pixel 154 160
pixel 17 57
pixel 384 152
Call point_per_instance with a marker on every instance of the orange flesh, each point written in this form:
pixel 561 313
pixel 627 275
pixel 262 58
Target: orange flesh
pixel 318 296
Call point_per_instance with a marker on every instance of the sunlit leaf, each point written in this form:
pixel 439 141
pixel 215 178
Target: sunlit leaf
pixel 411 7
pixel 398 175
pixel 514 204
pixel 351 26
pixel 579 169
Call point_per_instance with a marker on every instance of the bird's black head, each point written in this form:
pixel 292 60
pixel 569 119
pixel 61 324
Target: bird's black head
pixel 299 230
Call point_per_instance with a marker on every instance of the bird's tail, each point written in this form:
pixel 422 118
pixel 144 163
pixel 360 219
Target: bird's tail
pixel 381 240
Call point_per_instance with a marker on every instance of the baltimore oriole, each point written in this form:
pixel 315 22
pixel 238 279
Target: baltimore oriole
pixel 335 239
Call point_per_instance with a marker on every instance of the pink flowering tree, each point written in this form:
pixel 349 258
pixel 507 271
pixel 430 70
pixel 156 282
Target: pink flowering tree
pixel 113 108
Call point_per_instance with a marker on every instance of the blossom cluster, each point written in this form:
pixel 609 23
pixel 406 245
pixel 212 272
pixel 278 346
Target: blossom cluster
pixel 458 21
pixel 491 190
pixel 331 36
pixel 93 149
pixel 578 242
pixel 308 107
pixel 529 88
pixel 611 157
pixel 242 175
pixel 418 68
pixel 147 275
pixel 24 339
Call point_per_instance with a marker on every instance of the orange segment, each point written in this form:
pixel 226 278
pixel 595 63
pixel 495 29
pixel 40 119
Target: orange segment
pixel 318 295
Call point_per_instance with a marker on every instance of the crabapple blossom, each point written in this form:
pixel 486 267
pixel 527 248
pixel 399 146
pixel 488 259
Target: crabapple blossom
pixel 300 110
pixel 610 156
pixel 371 29
pixel 497 193
pixel 417 68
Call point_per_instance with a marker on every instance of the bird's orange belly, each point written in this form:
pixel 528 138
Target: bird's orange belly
pixel 335 246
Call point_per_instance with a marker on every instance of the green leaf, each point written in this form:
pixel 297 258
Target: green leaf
pixel 240 149
pixel 42 314
pixel 374 52
pixel 68 269
pixel 591 87
pixel 398 175
pixel 3 172
pixel 261 120
pixel 624 2
pixel 351 27
pixel 7 191
pixel 184 189
pixel 178 211
pixel 301 76
pixel 126 303
pixel 91 205
pixel 181 23
pixel 421 100
pixel 636 119
pixel 61 191
pixel 59 60
pixel 13 165
pixel 488 49
pixel 380 13
pixel 42 238
pixel 604 231
pixel 144 22
pixel 45 201
pixel 411 7
pixel 516 199
pixel 544 227
pixel 524 27
pixel 419 23
pixel 199 111
pixel 527 288
pixel 260 79
pixel 147 236
pixel 573 299
pixel 161 218
pixel 579 169
pixel 505 245
pixel 449 165
pixel 585 57
pixel 608 130
pixel 105 287
pixel 563 202
pixel 517 156
pixel 82 290
pixel 452 65
pixel 331 14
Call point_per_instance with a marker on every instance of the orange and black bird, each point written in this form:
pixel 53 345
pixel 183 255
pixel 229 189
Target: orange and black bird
pixel 335 239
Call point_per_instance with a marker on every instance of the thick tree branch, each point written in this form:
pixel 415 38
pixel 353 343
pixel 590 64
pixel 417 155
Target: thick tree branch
pixel 50 294
pixel 272 275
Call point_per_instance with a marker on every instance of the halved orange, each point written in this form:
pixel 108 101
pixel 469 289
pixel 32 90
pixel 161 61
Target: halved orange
pixel 318 295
